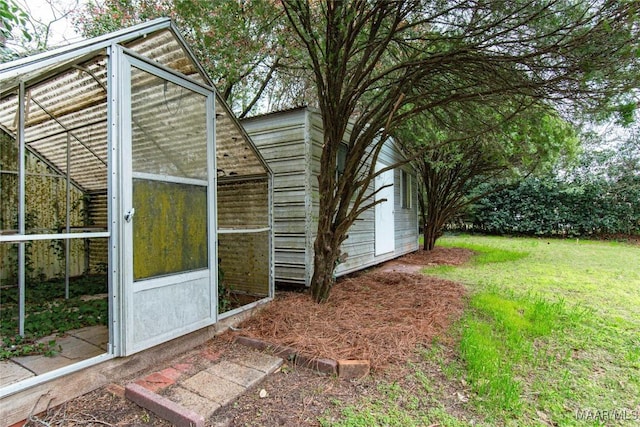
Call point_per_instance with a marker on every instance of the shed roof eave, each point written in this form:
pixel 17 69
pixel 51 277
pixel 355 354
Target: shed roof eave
pixel 270 114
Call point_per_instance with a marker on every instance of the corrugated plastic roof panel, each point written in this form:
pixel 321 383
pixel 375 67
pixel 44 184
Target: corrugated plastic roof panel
pixel 66 92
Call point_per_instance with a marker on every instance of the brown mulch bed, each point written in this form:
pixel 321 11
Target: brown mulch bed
pixel 379 316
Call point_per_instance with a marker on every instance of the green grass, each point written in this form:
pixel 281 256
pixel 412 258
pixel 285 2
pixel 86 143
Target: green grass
pixel 551 336
pixel 395 406
pixel 499 341
pixel 551 332
pixel 603 276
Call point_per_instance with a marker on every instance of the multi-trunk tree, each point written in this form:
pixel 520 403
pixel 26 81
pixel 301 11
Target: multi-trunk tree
pixel 455 159
pixel 378 63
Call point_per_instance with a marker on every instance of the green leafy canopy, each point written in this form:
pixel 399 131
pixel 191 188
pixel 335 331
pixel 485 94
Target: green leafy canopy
pixel 13 19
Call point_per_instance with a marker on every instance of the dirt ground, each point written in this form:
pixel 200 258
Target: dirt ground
pixel 382 315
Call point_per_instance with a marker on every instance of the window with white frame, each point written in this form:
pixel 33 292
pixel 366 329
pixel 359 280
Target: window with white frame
pixel 405 190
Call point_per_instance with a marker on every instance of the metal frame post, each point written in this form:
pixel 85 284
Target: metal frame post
pixel 21 209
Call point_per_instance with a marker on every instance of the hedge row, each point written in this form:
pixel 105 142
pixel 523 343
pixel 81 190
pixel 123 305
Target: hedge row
pixel 547 207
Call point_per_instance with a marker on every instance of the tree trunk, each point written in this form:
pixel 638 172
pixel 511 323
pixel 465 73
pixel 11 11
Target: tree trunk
pixel 432 227
pixel 327 243
pixel 423 209
pixel 324 264
pixel 430 235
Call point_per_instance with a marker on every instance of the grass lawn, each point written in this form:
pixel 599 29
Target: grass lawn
pixel 551 336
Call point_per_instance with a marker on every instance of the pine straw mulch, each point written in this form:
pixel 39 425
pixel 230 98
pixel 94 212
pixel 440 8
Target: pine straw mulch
pixel 379 316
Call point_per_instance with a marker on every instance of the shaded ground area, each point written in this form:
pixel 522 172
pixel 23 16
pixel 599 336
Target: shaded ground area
pixel 300 397
pixel 632 239
pixel 376 315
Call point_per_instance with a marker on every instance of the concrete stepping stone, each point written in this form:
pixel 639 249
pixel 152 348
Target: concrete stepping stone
pixel 73 350
pixel 239 374
pixel 12 373
pixel 261 361
pixel 191 399
pixel 213 387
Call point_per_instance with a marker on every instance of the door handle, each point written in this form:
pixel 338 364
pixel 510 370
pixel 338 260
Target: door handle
pixel 129 215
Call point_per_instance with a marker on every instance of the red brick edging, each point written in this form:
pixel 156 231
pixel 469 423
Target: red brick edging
pixel 163 407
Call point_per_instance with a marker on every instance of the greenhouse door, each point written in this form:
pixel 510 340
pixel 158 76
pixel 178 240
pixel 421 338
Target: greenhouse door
pixel 169 207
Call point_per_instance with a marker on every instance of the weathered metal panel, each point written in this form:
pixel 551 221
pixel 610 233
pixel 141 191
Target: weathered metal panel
pixel 290 226
pixel 289 274
pixel 244 257
pixel 290 181
pixel 289 240
pixel 234 156
pixel 282 142
pixel 98 248
pixel 316 141
pixel 160 311
pixel 289 210
pixel 164 48
pixel 291 196
pixel 243 204
pixel 288 156
pixel 289 257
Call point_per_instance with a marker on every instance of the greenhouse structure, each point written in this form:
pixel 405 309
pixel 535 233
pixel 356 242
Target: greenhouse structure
pixel 134 209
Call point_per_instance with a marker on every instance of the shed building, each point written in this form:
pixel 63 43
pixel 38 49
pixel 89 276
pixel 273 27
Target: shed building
pixel 124 176
pixel 291 143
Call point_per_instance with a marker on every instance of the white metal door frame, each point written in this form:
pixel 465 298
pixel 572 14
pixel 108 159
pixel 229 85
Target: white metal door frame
pixel 128 287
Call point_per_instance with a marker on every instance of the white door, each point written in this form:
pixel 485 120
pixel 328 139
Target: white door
pixel 384 212
pixel 169 206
